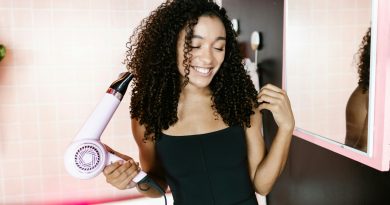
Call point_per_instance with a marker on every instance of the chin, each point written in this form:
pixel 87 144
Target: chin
pixel 200 83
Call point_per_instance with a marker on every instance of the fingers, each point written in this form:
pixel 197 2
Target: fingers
pixel 110 150
pixel 272 87
pixel 264 98
pixel 120 173
pixel 268 106
pixel 110 168
pixel 272 91
pixel 272 94
pixel 128 176
pixel 276 100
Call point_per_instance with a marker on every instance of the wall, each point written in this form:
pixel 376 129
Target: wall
pixel 61 57
pixel 312 175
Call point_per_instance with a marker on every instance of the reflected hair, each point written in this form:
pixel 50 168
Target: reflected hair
pixel 364 61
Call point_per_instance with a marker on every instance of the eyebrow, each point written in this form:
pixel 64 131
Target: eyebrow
pixel 216 39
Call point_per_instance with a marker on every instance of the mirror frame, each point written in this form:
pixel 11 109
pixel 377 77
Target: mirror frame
pixel 378 153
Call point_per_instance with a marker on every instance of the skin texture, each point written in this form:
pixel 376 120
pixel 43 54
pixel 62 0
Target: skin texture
pixel 357 119
pixel 356 113
pixel 209 73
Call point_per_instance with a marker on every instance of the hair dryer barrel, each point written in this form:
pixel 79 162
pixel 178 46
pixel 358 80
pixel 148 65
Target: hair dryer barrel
pixel 98 120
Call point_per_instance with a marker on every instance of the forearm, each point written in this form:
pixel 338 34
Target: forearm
pixel 273 164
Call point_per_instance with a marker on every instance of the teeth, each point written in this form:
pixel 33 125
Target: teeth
pixel 202 70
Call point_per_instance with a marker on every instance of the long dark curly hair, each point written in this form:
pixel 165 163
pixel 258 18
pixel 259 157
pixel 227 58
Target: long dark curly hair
pixel 364 61
pixel 152 58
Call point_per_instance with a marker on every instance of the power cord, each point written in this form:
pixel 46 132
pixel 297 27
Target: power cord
pixel 149 181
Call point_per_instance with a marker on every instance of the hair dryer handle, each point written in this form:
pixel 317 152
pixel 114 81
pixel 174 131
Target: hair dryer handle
pixel 140 176
pixel 113 158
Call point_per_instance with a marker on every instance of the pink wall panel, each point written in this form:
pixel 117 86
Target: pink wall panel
pixel 61 57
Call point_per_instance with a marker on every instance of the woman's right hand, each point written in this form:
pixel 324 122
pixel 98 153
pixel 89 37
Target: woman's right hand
pixel 121 173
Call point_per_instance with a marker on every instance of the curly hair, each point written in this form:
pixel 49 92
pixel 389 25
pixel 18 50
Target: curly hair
pixel 364 61
pixel 152 58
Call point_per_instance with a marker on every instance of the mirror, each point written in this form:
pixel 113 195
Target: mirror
pixel 325 42
pixel 331 81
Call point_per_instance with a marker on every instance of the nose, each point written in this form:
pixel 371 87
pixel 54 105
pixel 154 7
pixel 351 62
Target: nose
pixel 206 55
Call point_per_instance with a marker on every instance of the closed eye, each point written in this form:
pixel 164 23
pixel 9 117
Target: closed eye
pixel 219 49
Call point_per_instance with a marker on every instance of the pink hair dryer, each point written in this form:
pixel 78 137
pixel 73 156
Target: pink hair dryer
pixel 86 156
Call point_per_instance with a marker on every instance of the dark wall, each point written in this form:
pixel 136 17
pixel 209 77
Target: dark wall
pixel 313 175
pixel 260 16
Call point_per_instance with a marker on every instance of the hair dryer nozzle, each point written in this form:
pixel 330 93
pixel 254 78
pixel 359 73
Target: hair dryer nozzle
pixel 121 84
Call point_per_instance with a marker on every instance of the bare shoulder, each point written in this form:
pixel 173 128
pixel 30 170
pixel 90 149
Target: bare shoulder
pixel 138 131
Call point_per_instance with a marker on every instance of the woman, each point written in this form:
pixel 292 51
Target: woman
pixel 195 112
pixel 356 113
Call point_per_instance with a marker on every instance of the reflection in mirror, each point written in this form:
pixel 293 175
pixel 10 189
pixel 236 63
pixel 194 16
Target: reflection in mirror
pixel 322 39
pixel 357 105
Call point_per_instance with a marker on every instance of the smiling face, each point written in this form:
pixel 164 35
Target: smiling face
pixel 208 51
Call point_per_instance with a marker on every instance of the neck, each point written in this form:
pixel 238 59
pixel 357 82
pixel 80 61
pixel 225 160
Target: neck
pixel 190 91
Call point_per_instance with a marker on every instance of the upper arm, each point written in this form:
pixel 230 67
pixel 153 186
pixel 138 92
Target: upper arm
pixel 147 152
pixel 356 119
pixel 255 143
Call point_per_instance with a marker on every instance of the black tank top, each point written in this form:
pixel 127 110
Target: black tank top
pixel 207 169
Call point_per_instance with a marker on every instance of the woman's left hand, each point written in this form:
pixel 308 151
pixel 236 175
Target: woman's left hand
pixel 276 100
